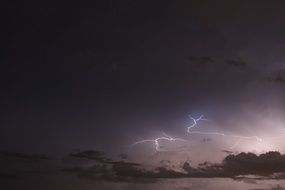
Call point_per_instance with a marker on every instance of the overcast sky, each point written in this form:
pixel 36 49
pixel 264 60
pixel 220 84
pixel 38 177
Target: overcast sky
pixel 106 74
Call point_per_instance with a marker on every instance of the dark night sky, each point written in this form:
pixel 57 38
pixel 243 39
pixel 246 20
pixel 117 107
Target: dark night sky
pixel 100 74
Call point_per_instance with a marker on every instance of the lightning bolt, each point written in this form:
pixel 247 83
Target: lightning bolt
pixel 195 123
pixel 156 141
pixel 202 118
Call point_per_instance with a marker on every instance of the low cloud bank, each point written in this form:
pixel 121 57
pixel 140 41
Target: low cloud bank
pixel 233 166
pixel 95 165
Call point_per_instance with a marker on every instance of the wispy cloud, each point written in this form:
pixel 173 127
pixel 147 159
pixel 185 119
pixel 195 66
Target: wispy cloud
pixel 277 77
pixel 204 61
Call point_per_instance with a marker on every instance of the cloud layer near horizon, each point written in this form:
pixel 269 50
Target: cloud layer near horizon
pixel 92 164
pixel 245 169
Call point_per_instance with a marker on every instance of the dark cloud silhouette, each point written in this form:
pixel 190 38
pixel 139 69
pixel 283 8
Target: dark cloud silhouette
pixel 206 61
pixel 277 77
pixel 232 166
pixel 240 64
pixel 227 151
pixel 96 172
pixel 123 156
pixel 91 155
pixel 97 166
pixel 277 187
pixel 22 156
pixel 165 162
pixel 203 60
pixel 186 166
pixel 104 168
pixel 266 164
pixel 116 172
pixel 249 163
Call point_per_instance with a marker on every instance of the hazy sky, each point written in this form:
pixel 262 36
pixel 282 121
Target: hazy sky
pixel 106 74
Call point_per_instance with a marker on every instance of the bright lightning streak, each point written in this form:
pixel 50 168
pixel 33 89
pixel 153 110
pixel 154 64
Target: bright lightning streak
pixel 246 137
pixel 201 118
pixel 195 121
pixel 156 141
